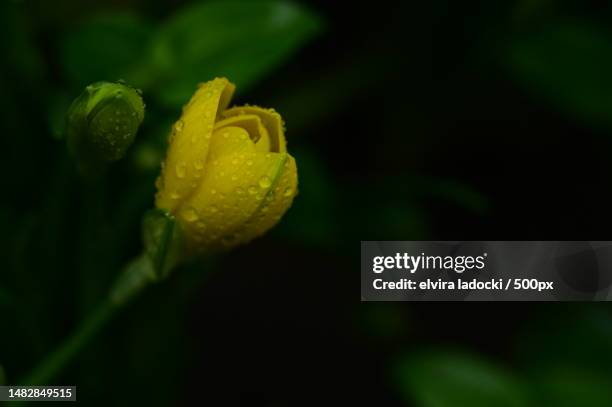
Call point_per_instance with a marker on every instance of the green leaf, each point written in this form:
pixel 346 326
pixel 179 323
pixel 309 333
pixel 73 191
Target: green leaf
pixel 106 47
pixel 449 379
pixel 582 334
pixel 242 41
pixel 569 387
pixel 568 63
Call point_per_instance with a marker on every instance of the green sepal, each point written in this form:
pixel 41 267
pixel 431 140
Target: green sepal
pixel 163 241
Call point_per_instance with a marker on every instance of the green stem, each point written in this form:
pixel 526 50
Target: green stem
pixel 51 366
pixel 137 275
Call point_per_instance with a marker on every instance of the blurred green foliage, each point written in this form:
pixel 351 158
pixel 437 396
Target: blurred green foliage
pixel 60 235
pixel 568 62
pixel 116 42
pixel 446 379
pixel 560 360
pixel 241 40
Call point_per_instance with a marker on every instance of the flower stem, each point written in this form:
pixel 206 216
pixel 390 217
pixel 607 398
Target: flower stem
pixel 54 363
pixel 137 275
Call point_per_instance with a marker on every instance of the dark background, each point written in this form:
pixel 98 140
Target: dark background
pixel 439 120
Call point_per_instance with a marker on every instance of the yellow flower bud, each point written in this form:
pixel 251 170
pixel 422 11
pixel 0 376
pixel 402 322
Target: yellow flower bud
pixel 227 176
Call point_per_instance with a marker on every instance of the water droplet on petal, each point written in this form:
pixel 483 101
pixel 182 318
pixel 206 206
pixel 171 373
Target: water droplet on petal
pixel 179 125
pixel 264 182
pixel 190 215
pixel 288 192
pixel 180 170
pixel 252 190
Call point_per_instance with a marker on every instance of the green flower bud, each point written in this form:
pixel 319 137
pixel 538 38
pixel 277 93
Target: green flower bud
pixel 102 123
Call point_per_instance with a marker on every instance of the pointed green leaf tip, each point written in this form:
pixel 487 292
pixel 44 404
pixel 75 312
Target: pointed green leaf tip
pixel 103 121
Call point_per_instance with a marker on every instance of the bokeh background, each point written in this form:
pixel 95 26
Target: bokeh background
pixel 439 119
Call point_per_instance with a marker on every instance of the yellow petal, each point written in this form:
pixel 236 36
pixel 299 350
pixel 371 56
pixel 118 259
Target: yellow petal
pixel 270 119
pixel 230 140
pixel 250 122
pixel 233 190
pixel 189 143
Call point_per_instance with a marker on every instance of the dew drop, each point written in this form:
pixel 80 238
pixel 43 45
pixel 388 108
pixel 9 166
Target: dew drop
pixel 264 182
pixel 198 164
pixel 179 125
pixel 190 215
pixel 252 190
pixel 180 170
pixel 288 192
